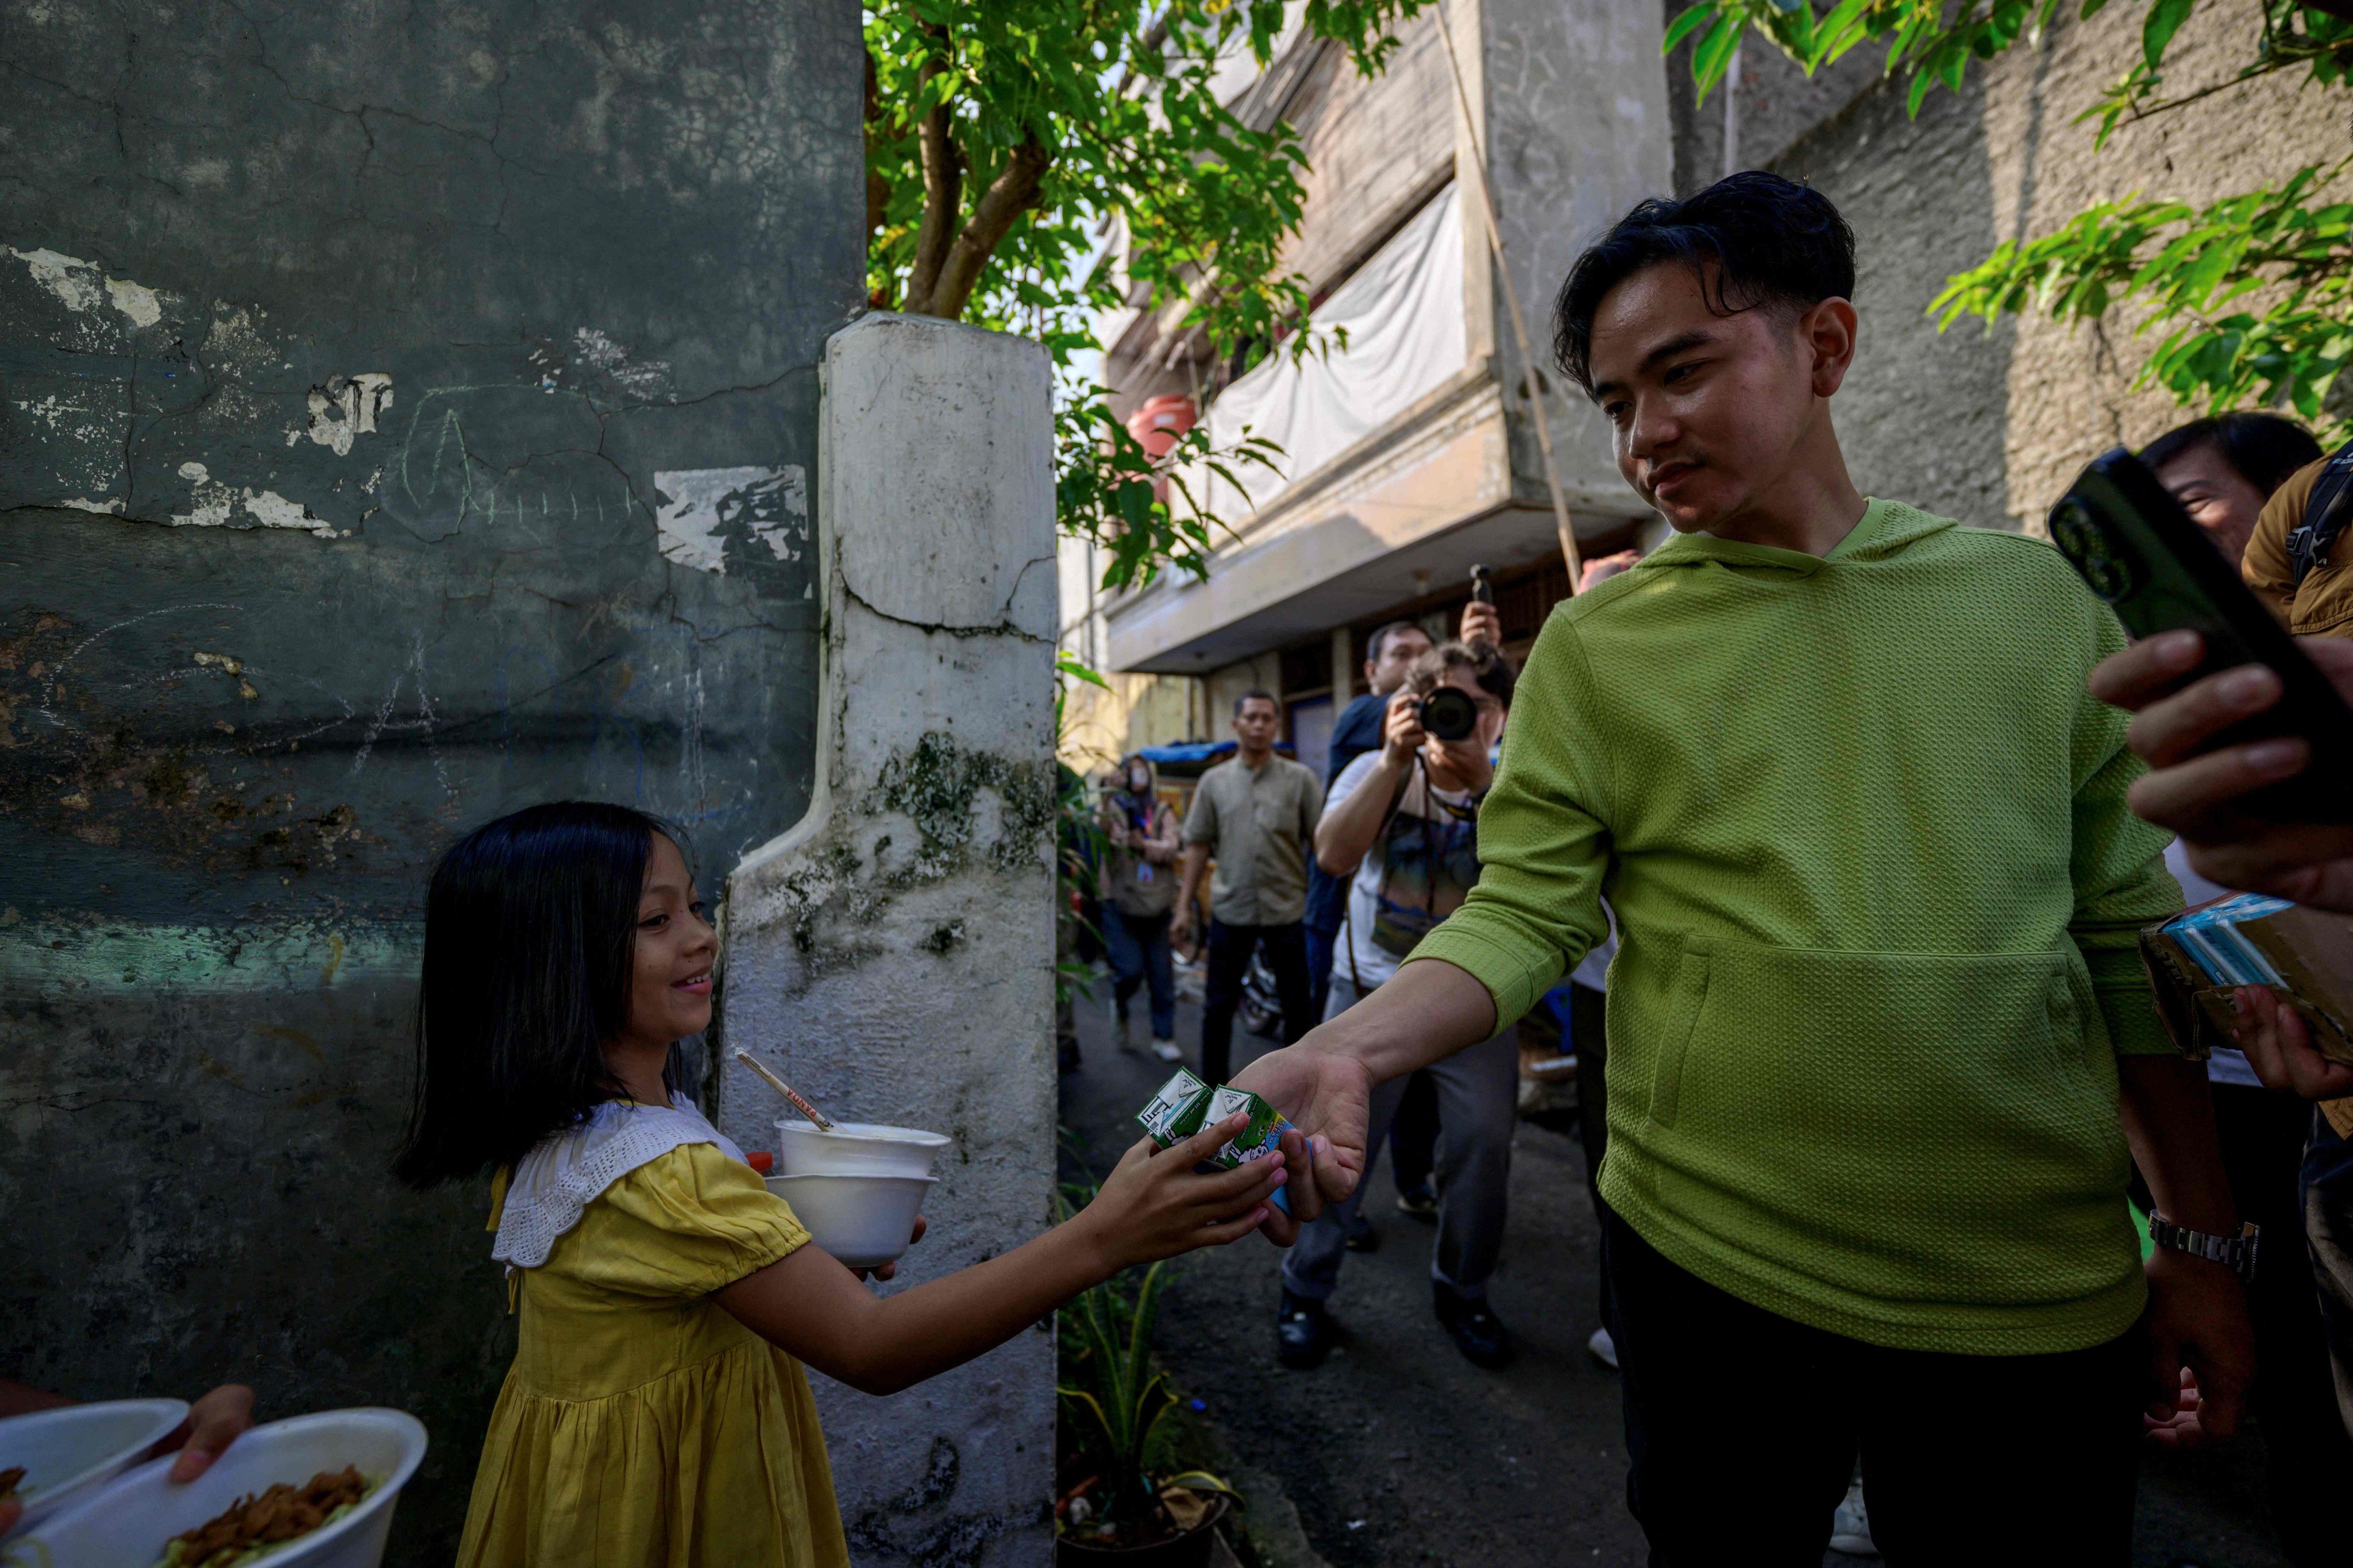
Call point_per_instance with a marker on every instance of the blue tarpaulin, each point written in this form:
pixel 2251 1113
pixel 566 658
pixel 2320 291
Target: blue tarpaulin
pixel 1197 752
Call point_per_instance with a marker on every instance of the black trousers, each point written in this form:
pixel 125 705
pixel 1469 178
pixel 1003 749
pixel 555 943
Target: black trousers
pixel 2308 1458
pixel 1588 1012
pixel 1230 954
pixel 1743 1428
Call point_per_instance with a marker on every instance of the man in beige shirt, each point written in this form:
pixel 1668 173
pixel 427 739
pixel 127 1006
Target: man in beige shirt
pixel 1257 813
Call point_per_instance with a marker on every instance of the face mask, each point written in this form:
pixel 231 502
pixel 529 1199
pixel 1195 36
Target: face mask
pixel 1137 782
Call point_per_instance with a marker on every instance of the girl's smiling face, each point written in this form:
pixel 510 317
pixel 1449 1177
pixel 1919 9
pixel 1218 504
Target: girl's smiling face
pixel 669 991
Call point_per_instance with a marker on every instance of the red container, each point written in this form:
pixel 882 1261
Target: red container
pixel 1161 421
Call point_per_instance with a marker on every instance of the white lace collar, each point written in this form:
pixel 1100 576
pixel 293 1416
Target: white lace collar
pixel 564 1171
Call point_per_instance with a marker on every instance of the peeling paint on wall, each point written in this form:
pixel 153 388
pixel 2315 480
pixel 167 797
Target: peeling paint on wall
pixel 701 510
pixel 83 286
pixel 346 408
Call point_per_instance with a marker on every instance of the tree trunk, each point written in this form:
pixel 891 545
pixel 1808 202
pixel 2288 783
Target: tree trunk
pixel 942 205
pixel 1014 191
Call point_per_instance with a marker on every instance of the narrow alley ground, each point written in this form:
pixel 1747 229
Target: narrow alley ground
pixel 1398 1451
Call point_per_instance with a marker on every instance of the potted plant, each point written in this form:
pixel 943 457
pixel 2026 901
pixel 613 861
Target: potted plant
pixel 1122 1510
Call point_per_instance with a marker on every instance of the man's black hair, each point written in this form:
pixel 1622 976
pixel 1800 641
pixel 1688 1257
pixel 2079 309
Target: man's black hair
pixel 2265 448
pixel 1770 240
pixel 1374 644
pixel 530 931
pixel 1268 697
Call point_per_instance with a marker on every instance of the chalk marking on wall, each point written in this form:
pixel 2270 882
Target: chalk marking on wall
pixel 643 378
pixel 58 672
pixel 699 509
pixel 384 722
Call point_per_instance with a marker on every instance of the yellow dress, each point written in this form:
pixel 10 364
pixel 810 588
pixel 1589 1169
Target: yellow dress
pixel 641 1427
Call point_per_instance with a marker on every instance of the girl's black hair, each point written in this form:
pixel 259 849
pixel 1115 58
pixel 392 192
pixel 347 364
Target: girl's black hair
pixel 1772 241
pixel 531 930
pixel 2264 450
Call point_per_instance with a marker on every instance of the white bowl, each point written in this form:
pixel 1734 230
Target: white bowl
pixel 70 1451
pixel 855 1149
pixel 125 1525
pixel 864 1221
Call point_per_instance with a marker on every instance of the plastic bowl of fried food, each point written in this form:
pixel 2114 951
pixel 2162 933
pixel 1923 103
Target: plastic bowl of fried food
pixel 315 1490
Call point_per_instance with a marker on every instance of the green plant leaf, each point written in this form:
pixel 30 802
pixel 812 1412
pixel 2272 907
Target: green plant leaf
pixel 2164 19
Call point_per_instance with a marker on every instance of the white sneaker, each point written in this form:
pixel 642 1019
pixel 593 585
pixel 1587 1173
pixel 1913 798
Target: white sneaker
pixel 1851 1526
pixel 1167 1051
pixel 1603 1349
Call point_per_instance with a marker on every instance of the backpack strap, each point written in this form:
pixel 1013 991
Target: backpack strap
pixel 2326 514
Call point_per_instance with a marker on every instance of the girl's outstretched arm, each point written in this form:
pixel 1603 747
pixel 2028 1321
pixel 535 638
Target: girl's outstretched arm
pixel 1153 1205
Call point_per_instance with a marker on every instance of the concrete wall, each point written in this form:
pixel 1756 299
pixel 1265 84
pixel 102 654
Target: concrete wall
pixel 408 413
pixel 1989 428
pixel 891 955
pixel 1574 100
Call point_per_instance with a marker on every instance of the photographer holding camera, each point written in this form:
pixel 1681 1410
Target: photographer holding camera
pixel 1402 824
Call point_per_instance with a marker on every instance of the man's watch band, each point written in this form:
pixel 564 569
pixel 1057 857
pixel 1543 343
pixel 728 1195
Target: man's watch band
pixel 2237 1253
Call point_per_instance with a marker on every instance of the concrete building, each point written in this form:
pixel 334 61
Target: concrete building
pixel 410 416
pixel 1580 116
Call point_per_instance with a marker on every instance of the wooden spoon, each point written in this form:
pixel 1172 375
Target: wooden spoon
pixel 824 1122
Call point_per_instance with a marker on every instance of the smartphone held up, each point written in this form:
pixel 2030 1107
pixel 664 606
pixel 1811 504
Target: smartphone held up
pixel 2137 550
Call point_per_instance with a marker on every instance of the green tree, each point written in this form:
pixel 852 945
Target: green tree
pixel 2247 297
pixel 1006 137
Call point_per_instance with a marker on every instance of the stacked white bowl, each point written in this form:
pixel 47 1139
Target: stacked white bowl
pixel 126 1522
pixel 858 1187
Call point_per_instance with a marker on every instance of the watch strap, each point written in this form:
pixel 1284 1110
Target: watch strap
pixel 2236 1253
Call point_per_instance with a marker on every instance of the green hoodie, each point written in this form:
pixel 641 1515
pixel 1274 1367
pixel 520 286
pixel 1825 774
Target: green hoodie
pixel 1878 890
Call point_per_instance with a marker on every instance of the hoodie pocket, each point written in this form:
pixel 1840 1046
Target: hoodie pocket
pixel 1923 1110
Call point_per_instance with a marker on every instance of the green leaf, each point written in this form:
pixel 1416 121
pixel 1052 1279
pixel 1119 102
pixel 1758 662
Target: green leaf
pixel 2165 18
pixel 1078 671
pixel 1684 26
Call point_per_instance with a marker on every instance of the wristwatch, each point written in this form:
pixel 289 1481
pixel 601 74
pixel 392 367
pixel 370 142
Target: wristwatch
pixel 2237 1253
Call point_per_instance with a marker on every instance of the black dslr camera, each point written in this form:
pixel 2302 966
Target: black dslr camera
pixel 1448 713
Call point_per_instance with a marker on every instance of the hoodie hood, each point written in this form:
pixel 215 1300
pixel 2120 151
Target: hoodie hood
pixel 1127 765
pixel 1887 528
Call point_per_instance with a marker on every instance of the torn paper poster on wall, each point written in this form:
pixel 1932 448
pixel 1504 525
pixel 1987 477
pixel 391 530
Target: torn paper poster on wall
pixel 702 511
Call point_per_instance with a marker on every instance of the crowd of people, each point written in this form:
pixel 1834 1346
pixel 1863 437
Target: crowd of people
pixel 1874 808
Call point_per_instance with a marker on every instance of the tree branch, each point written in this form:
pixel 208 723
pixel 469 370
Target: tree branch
pixel 878 185
pixel 943 205
pixel 1013 192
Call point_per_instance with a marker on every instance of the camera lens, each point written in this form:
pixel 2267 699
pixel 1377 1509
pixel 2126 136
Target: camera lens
pixel 1450 714
pixel 2081 538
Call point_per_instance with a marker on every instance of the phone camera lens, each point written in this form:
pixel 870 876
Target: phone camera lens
pixel 2084 543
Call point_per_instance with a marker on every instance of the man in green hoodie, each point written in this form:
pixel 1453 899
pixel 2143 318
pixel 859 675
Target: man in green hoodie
pixel 1879 1033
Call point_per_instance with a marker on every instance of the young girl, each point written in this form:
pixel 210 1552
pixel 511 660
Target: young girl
pixel 656 1412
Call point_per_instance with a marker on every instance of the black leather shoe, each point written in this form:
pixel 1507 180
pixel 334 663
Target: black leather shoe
pixel 1478 1334
pixel 1303 1332
pixel 1362 1236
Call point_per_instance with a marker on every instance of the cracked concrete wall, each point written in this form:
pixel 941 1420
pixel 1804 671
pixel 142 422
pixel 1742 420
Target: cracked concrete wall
pixel 892 955
pixel 1988 427
pixel 1576 127
pixel 406 414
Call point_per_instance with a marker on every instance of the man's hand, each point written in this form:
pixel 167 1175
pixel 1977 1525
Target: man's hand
pixel 2201 1351
pixel 213 1423
pixel 2279 1047
pixel 1328 1098
pixel 1180 925
pixel 1402 730
pixel 1603 568
pixel 2199 792
pixel 1483 623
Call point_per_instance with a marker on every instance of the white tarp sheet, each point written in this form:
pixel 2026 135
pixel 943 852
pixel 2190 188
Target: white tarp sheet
pixel 1404 315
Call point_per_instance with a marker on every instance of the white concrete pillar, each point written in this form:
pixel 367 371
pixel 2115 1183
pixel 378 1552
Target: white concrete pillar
pixel 892 956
